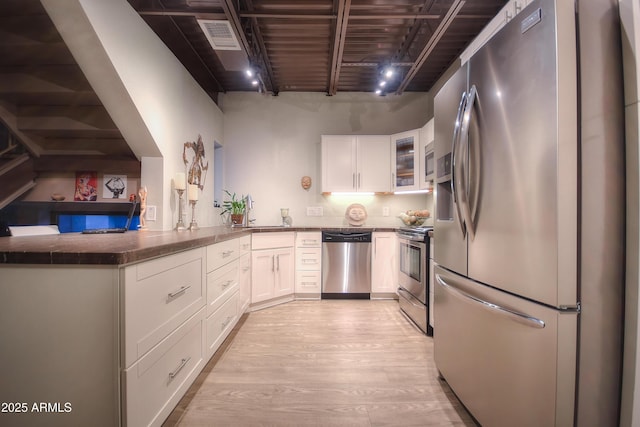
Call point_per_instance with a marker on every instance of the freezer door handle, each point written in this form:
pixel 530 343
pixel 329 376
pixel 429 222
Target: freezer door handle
pixel 512 314
pixel 464 144
pixel 454 161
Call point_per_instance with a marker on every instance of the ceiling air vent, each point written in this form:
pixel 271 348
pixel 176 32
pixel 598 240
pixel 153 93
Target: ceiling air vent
pixel 220 34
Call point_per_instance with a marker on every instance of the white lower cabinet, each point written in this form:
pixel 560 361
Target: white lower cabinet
pixel 159 295
pixel 220 323
pixel 384 264
pixel 221 283
pixel 178 309
pixel 272 268
pixel 224 287
pixel 308 265
pixel 163 333
pixel 244 291
pixel 308 284
pixel 156 382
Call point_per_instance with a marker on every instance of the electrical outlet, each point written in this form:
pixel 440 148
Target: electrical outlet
pixel 385 211
pixel 314 211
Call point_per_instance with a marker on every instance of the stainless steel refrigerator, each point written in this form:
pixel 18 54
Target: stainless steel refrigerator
pixel 529 229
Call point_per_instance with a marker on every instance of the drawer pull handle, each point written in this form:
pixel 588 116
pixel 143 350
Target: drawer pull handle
pixel 183 363
pixel 177 293
pixel 245 269
pixel 310 284
pixel 310 261
pixel 226 253
pixel 227 283
pixel 309 242
pixel 226 322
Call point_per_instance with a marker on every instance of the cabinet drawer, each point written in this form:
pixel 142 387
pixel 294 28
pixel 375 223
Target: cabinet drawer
pixel 220 284
pixel 155 305
pixel 222 253
pixel 308 259
pixel 245 244
pixel 220 323
pixel 156 383
pixel 308 239
pixel 308 282
pixel 272 240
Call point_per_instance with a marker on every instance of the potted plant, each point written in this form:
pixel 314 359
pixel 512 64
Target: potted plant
pixel 234 207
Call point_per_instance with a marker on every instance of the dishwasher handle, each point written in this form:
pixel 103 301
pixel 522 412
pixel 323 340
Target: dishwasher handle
pixel 346 236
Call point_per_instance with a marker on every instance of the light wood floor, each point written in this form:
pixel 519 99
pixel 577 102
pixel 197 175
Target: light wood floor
pixel 322 363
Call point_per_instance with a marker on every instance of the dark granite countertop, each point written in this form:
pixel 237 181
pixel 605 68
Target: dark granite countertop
pixel 127 248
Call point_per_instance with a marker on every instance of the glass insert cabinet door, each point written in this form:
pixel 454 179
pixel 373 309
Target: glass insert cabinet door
pixel 405 160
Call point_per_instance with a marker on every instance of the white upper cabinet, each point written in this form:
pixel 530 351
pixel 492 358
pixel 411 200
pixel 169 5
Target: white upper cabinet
pixel 355 163
pixel 374 166
pixel 404 160
pixel 427 156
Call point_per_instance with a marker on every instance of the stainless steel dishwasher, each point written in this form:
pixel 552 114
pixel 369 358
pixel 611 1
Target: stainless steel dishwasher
pixel 346 265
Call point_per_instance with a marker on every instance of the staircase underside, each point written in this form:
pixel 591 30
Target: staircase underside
pixel 46 102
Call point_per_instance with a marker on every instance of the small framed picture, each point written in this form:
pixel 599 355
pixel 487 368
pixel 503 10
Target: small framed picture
pixel 114 187
pixel 86 186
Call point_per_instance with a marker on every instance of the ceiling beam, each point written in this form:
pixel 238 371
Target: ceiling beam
pixel 177 13
pixel 339 38
pixel 431 44
pixel 373 16
pixel 264 57
pixel 267 15
pixel 413 32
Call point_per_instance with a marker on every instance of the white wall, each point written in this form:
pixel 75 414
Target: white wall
pixel 271 142
pixel 630 16
pixel 152 98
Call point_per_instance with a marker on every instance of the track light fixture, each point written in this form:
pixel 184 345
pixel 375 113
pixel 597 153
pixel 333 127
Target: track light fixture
pixel 253 75
pixel 386 74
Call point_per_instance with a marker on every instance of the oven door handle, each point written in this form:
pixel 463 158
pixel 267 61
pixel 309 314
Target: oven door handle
pixel 419 244
pixel 410 298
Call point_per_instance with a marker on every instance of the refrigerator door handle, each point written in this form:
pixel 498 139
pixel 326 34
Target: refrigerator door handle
pixel 516 316
pixel 454 143
pixel 464 138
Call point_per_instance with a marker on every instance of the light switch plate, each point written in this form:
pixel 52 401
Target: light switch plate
pixel 150 214
pixel 385 211
pixel 314 211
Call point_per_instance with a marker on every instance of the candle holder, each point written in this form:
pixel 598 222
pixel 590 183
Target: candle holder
pixel 180 225
pixel 194 225
pixel 284 213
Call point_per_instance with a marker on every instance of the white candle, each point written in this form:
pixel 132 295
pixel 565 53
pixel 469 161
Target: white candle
pixel 193 192
pixel 178 181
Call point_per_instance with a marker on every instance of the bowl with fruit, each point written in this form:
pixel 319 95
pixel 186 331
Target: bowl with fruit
pixel 414 218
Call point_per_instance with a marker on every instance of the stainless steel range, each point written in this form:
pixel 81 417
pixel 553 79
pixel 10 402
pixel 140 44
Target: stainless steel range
pixel 413 280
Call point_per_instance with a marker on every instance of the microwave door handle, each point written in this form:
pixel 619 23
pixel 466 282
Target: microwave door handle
pixel 514 315
pixel 454 161
pixel 464 143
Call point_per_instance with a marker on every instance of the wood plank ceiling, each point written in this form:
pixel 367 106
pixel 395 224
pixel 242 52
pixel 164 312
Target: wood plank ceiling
pixel 320 45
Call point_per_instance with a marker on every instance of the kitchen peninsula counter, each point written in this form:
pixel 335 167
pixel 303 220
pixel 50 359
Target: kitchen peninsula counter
pixel 130 247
